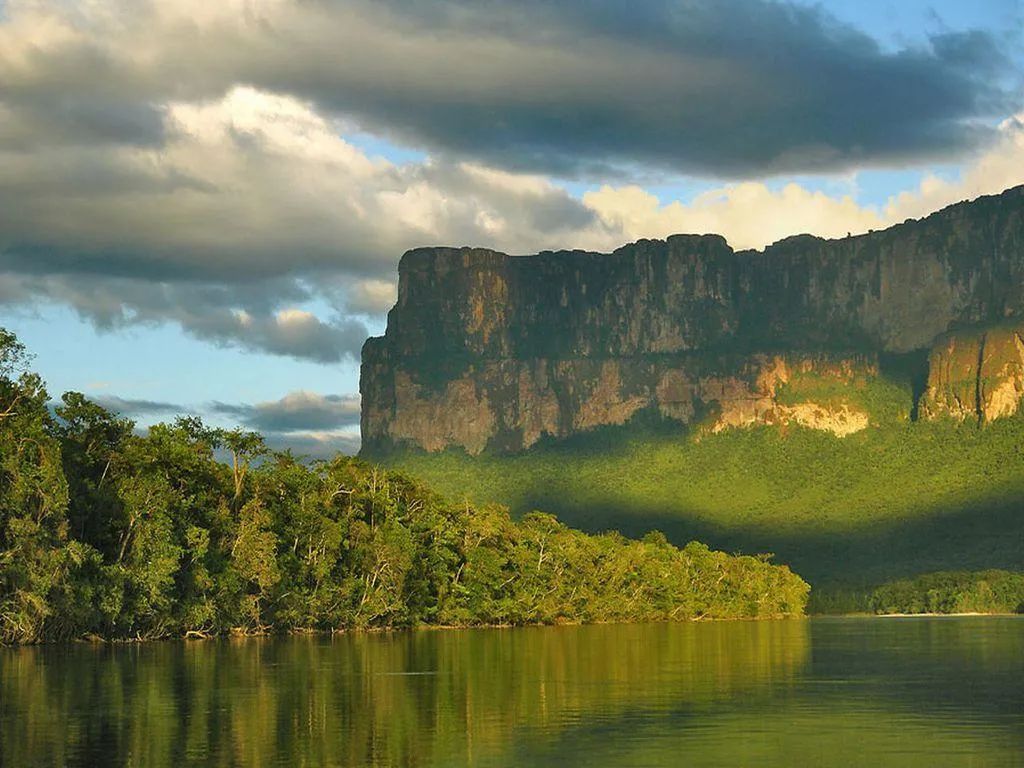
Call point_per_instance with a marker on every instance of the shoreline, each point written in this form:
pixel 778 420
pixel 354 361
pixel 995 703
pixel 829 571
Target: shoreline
pixel 967 614
pixel 192 637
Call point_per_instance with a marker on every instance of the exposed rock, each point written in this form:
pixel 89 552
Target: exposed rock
pixel 512 404
pixel 489 351
pixel 976 374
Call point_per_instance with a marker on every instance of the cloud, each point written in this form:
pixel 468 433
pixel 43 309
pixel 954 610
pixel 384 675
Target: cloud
pixel 726 88
pixel 753 215
pixel 258 316
pixel 131 408
pixel 306 423
pixel 749 215
pixel 994 171
pixel 254 225
pixel 372 297
pixel 315 445
pixel 295 412
pixel 134 407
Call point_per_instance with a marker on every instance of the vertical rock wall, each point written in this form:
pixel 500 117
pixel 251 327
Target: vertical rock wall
pixel 486 351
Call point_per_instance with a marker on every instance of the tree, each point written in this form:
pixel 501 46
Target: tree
pixel 33 499
pixel 254 564
pixel 92 442
pixel 244 448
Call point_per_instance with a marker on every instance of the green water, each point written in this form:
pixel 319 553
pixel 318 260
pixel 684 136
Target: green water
pixel 822 692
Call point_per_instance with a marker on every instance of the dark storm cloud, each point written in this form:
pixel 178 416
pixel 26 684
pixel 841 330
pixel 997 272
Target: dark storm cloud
pixel 719 87
pixel 296 411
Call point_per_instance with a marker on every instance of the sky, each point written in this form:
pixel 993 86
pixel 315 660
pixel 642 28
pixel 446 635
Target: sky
pixel 203 205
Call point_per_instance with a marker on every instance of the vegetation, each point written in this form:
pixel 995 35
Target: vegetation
pixel 895 500
pixel 191 530
pixel 887 398
pixel 991 591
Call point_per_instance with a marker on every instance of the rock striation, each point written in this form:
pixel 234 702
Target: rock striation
pixel 977 374
pixel 486 351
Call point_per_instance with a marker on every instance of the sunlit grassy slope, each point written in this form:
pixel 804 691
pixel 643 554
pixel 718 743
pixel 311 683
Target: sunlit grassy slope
pixel 845 513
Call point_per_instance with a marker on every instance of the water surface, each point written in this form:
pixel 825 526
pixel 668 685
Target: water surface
pixel 823 692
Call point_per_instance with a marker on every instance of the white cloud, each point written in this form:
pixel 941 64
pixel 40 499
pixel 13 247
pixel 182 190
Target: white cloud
pixel 307 423
pixel 372 297
pixel 749 215
pixel 299 411
pixel 752 215
pixel 994 171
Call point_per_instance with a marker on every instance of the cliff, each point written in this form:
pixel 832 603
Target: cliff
pixel 487 351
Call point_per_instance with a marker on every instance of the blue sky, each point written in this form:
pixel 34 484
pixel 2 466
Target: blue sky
pixel 202 234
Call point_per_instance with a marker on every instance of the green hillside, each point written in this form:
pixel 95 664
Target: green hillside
pixel 847 513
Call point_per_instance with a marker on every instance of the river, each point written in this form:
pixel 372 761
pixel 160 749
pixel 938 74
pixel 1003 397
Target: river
pixel 816 692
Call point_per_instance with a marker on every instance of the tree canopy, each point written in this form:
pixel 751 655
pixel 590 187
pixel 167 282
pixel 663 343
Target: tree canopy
pixel 189 530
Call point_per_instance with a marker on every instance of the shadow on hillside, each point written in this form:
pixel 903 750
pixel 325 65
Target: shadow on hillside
pixel 975 536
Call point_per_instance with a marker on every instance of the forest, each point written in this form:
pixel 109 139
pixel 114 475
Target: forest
pixel 992 591
pixel 901 498
pixel 110 532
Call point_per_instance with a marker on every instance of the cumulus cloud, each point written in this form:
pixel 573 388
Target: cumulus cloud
pixel 372 297
pixel 315 445
pixel 749 215
pixel 251 186
pixel 308 424
pixel 253 210
pixel 994 171
pixel 296 411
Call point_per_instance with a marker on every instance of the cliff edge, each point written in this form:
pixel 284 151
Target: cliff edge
pixel 486 351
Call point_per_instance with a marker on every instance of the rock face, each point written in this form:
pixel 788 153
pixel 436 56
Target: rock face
pixel 976 374
pixel 486 351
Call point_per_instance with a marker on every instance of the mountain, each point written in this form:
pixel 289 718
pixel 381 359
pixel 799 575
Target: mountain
pixel 851 406
pixel 487 352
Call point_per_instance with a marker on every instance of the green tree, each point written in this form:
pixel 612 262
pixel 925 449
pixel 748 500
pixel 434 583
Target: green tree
pixel 33 500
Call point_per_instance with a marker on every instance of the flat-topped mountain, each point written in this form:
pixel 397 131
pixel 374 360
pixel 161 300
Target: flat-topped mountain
pixel 486 351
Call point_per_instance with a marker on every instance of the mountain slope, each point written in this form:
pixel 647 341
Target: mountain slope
pixel 845 513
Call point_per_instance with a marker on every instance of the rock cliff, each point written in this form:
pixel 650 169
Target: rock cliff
pixel 487 351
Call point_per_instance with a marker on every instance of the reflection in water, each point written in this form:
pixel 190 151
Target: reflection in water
pixel 824 692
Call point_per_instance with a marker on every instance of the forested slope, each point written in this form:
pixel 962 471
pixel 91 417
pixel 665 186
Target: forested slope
pixel 848 513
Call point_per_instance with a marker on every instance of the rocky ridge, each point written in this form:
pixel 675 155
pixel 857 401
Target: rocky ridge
pixel 486 351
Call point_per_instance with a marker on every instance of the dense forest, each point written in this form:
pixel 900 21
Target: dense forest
pixel 898 499
pixel 992 591
pixel 189 530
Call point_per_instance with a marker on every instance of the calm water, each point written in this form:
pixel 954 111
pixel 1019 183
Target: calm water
pixel 825 692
